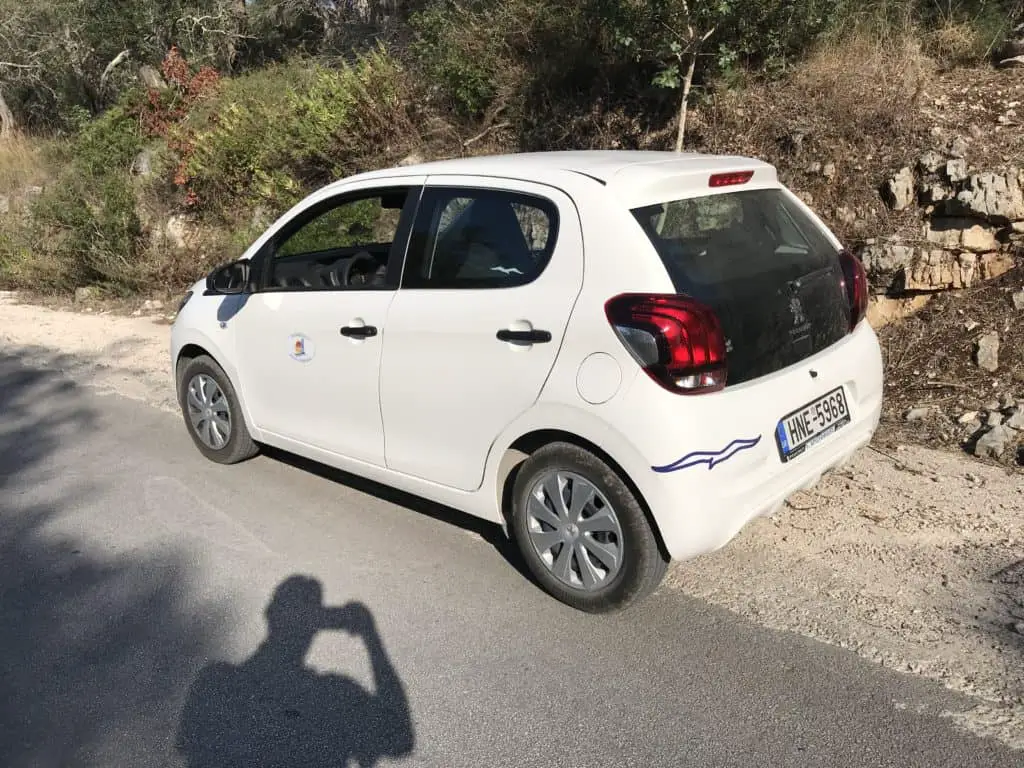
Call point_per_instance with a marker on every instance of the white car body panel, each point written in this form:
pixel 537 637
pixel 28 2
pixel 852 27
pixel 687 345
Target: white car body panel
pixel 445 373
pixel 585 385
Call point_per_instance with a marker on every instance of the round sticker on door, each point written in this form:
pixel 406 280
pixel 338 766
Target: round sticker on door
pixel 300 348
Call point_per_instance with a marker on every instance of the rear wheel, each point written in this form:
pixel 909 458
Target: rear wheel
pixel 582 532
pixel 212 414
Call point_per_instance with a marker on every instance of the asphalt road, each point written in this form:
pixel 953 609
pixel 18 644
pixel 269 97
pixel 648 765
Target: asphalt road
pixel 158 610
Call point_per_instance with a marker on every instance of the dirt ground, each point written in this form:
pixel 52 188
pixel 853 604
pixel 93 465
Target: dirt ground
pixel 909 556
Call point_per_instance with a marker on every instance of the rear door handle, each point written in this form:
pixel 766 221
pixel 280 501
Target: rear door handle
pixel 359 331
pixel 524 337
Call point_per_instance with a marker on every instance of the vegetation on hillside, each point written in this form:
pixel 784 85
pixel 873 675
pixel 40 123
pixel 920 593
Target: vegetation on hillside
pixel 144 140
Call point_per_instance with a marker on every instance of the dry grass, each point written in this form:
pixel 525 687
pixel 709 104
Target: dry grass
pixel 22 164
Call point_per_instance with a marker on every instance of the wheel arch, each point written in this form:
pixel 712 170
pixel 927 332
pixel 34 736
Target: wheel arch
pixel 196 345
pixel 527 444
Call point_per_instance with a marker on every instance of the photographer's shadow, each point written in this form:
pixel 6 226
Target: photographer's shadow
pixel 273 710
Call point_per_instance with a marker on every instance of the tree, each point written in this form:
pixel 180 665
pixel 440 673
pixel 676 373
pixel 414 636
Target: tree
pixel 671 34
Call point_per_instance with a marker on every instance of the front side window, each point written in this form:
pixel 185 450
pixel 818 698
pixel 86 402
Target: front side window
pixel 465 238
pixel 341 244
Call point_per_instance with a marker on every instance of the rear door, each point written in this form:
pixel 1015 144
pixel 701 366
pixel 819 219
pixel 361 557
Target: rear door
pixel 493 270
pixel 768 270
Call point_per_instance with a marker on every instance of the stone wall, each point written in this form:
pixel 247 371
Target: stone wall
pixel 972 226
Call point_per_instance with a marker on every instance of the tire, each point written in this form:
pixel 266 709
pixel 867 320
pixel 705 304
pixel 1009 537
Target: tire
pixel 640 562
pixel 239 445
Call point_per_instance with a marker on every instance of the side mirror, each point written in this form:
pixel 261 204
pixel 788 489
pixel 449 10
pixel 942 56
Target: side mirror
pixel 229 279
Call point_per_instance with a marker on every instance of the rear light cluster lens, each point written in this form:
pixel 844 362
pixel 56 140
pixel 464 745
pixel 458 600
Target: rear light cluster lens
pixel 855 283
pixel 679 342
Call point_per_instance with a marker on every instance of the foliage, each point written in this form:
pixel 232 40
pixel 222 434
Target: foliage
pixel 269 136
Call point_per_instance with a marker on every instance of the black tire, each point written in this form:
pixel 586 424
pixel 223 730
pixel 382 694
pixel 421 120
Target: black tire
pixel 642 563
pixel 240 445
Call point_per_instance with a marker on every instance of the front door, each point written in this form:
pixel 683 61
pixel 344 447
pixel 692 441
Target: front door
pixel 309 341
pixel 493 271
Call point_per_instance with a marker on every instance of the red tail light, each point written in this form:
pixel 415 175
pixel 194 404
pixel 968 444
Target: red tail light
pixel 855 283
pixel 679 342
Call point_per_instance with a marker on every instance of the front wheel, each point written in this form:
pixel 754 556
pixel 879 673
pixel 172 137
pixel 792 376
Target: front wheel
pixel 212 413
pixel 582 532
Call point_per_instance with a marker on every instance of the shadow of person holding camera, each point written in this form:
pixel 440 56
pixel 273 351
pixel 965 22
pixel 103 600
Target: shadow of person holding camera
pixel 273 710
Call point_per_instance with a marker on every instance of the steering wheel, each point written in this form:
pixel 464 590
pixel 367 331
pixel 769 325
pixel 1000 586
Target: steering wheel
pixel 363 257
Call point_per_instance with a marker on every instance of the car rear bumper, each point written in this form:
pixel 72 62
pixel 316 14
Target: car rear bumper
pixel 702 505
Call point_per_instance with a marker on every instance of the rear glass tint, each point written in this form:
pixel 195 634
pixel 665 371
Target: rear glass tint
pixel 763 265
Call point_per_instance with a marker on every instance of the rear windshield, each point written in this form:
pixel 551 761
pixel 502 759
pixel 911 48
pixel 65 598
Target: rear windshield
pixel 765 266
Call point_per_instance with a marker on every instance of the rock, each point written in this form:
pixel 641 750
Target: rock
pixel 1016 421
pixel 85 293
pixel 846 216
pixel 937 192
pixel 968 417
pixel 987 352
pixel 814 168
pixel 1007 402
pixel 1018 627
pixel 5 204
pixel 152 305
pixel 1015 62
pixel 151 78
pixel 956 170
pixel 931 162
pixel 992 445
pixel 143 164
pixel 979 239
pixel 958 150
pixel 829 171
pixel 970 325
pixel 176 231
pixel 992 265
pixel 898 192
pixel 939 271
pixel 33 191
pixel 992 405
pixel 1018 300
pixel 918 414
pixel 995 418
pixel 414 158
pixel 954 234
pixel 996 197
pixel 883 310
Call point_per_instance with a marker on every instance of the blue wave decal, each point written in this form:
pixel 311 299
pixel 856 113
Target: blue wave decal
pixel 711 458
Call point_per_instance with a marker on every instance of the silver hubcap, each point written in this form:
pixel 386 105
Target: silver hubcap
pixel 208 411
pixel 574 531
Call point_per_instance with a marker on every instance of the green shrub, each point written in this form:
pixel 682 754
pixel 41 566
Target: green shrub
pixel 270 136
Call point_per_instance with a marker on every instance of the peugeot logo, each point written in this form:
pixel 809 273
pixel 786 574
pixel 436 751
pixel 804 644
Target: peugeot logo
pixel 797 308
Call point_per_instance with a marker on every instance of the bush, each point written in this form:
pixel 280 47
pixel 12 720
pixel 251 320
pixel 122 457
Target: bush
pixel 270 136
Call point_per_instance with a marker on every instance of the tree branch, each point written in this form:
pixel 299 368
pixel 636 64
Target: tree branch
pixel 114 63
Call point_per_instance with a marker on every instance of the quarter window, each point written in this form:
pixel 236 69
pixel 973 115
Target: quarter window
pixel 465 238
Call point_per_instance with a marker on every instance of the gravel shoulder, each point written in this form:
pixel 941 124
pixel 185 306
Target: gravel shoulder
pixel 911 557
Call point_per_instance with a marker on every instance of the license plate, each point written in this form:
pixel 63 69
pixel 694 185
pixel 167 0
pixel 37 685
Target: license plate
pixel 811 424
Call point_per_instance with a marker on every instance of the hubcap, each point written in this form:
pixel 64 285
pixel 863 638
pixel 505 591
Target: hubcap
pixel 208 411
pixel 574 531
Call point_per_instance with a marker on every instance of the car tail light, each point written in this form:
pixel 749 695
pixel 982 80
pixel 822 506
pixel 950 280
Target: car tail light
pixel 679 342
pixel 731 179
pixel 855 283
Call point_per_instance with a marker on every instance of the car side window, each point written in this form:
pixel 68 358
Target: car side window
pixel 343 243
pixel 478 238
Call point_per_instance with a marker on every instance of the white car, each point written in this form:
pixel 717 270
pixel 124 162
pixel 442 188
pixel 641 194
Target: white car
pixel 621 357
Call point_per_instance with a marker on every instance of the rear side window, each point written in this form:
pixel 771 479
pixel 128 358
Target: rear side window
pixel 763 265
pixel 466 238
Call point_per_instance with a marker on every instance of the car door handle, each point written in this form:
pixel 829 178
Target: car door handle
pixel 359 331
pixel 524 337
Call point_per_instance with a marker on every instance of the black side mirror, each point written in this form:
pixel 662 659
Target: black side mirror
pixel 229 279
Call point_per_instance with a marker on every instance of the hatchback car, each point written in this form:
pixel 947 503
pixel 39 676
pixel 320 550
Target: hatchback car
pixel 620 357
